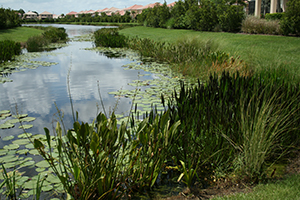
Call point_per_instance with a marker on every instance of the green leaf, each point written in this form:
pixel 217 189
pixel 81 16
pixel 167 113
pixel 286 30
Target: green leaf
pixel 10 137
pixel 26 126
pixel 6 126
pixel 38 144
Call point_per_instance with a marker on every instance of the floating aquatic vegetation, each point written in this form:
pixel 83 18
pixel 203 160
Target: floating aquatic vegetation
pixel 22 63
pixel 83 38
pixel 147 93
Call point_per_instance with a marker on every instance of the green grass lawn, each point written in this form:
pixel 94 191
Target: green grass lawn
pixel 19 34
pixel 287 189
pixel 263 52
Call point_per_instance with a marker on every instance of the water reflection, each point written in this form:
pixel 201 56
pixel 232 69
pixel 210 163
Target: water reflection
pixel 35 92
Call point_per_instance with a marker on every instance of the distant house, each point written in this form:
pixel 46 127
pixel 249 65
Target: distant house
pixel 72 13
pixel 46 15
pixel 170 5
pixel 30 15
pixel 56 16
pixel 151 5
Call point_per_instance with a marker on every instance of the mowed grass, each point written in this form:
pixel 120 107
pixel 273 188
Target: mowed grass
pixel 19 34
pixel 287 189
pixel 262 52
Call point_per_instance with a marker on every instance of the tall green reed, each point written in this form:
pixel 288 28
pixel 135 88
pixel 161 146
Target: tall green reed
pixel 103 161
pixel 219 119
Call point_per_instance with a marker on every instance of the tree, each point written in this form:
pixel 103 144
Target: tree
pixel 291 21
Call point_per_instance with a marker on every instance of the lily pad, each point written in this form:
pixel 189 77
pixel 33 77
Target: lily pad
pixel 40 169
pixel 47 188
pixel 7 138
pixel 20 116
pixel 42 163
pixel 4 112
pixel 22 151
pixel 3 152
pixel 6 126
pixel 6 115
pixel 11 146
pixel 34 152
pixel 12 121
pixel 27 119
pixel 26 126
pixel 21 141
pixel 27 163
pixel 25 135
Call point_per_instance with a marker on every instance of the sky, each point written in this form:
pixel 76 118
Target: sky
pixel 66 6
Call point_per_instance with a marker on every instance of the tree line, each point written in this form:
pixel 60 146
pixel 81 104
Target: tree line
pixel 204 15
pixel 9 18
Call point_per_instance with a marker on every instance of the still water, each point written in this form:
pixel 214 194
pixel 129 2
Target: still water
pixel 36 91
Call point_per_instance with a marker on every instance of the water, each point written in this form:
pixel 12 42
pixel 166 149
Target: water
pixel 35 92
pixel 39 92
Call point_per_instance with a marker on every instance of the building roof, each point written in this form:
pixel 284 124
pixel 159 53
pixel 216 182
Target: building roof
pixel 46 13
pixel 72 13
pixel 134 7
pixel 151 5
pixel 30 13
pixel 121 12
pixel 81 12
pixel 112 9
pixel 90 12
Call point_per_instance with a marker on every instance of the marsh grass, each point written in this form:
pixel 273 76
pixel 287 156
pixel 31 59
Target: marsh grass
pixel 265 123
pixel 190 56
pixel 254 25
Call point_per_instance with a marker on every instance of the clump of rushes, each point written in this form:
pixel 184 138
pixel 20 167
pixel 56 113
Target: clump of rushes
pixel 8 49
pixel 232 117
pixel 109 37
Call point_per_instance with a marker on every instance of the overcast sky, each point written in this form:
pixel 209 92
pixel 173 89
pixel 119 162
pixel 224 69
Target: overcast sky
pixel 66 6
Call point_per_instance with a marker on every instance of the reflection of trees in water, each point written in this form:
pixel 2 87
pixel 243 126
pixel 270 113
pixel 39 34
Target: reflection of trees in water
pixel 112 55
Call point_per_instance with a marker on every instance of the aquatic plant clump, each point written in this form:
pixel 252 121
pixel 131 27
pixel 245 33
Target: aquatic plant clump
pixel 22 63
pixel 8 49
pixel 109 37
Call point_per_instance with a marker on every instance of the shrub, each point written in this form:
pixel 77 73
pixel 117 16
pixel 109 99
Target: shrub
pixel 109 37
pixel 230 17
pixel 55 34
pixel 208 16
pixel 290 23
pixel 8 49
pixel 274 16
pixel 254 25
pixel 35 43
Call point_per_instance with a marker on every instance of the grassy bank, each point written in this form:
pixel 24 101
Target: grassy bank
pixel 285 189
pixel 262 52
pixel 20 34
